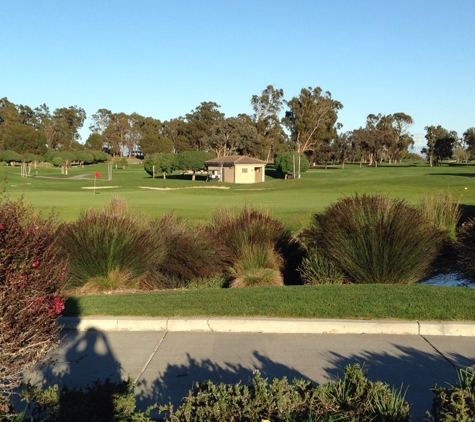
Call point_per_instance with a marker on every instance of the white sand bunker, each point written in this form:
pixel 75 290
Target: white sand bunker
pixel 100 187
pixel 190 187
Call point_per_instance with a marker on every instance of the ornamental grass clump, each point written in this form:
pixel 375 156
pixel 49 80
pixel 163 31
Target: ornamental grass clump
pixel 440 210
pixel 30 295
pixel 465 251
pixel 190 255
pixel 258 243
pixel 374 239
pixel 109 249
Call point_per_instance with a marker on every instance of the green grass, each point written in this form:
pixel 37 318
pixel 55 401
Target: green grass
pixel 414 302
pixel 291 201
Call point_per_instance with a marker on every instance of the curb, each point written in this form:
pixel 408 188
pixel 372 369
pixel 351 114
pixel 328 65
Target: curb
pixel 271 326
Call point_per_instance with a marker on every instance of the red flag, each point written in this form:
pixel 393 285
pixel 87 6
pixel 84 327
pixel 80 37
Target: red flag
pixel 97 174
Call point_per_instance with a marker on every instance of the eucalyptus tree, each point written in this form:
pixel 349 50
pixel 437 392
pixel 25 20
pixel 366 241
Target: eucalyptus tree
pixel 267 108
pixel 175 130
pixel 440 143
pixel 200 122
pixel 232 136
pixel 311 118
pixel 469 140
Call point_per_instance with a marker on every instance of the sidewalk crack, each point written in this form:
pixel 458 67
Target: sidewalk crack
pixel 155 350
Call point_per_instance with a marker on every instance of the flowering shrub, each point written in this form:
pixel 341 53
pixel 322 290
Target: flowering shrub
pixel 30 274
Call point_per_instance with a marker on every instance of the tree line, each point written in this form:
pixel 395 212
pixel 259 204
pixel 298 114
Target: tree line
pixel 306 124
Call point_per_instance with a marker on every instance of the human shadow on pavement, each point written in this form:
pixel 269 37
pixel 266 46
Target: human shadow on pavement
pixel 412 371
pixel 81 361
pixel 175 382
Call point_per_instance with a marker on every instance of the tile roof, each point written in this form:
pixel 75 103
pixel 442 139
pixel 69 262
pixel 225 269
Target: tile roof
pixel 234 159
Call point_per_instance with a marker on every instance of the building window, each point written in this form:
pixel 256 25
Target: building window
pixel 244 170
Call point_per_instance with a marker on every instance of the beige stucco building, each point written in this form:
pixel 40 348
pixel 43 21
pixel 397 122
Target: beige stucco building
pixel 236 169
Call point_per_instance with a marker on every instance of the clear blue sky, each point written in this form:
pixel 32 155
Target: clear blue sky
pixel 163 58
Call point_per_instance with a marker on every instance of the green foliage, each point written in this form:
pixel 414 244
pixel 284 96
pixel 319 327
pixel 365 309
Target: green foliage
pixel 288 163
pixel 10 156
pixel 456 402
pixel 317 268
pixel 373 239
pixel 102 401
pixel 30 275
pixel 352 399
pixel 163 163
pixel 108 249
pixel 193 160
pixel 84 157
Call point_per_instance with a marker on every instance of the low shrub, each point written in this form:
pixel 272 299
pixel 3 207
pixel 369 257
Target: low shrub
pixel 30 295
pixel 374 239
pixel 102 401
pixel 456 402
pixel 354 398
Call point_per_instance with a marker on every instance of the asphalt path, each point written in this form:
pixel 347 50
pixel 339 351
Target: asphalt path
pixel 166 364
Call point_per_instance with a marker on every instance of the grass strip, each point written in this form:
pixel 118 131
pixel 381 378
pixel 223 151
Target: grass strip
pixel 400 302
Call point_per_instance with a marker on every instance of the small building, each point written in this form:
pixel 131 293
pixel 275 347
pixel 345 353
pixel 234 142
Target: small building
pixel 236 169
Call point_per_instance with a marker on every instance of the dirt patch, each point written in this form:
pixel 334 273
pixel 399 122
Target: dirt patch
pixel 190 187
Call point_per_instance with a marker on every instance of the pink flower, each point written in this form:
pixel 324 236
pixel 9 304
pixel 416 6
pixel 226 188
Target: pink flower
pixel 35 264
pixel 2 227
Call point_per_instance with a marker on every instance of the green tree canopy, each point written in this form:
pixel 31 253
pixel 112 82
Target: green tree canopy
pixel 291 163
pixel 193 161
pixel 164 163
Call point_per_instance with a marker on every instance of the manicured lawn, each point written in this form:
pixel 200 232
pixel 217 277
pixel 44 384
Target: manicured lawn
pixel 291 201
pixel 415 302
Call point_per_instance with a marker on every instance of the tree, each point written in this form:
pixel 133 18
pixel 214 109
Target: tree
pixel 200 123
pixel 291 163
pixel 469 140
pixel 267 108
pixel 65 125
pixel 23 138
pixel 164 163
pixel 193 161
pixel 311 118
pixel 175 130
pixel 440 143
pixel 231 135
pixel 94 141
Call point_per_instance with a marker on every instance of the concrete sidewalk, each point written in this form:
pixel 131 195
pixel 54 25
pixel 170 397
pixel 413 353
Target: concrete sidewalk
pixel 167 356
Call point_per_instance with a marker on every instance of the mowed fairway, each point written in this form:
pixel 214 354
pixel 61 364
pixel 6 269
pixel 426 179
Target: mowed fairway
pixel 291 201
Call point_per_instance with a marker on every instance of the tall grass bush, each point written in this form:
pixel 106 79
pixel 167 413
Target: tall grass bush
pixel 442 211
pixel 374 239
pixel 317 268
pixel 190 254
pixel 465 251
pixel 255 240
pixel 108 249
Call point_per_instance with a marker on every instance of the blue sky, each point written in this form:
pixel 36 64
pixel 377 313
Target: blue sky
pixel 163 58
